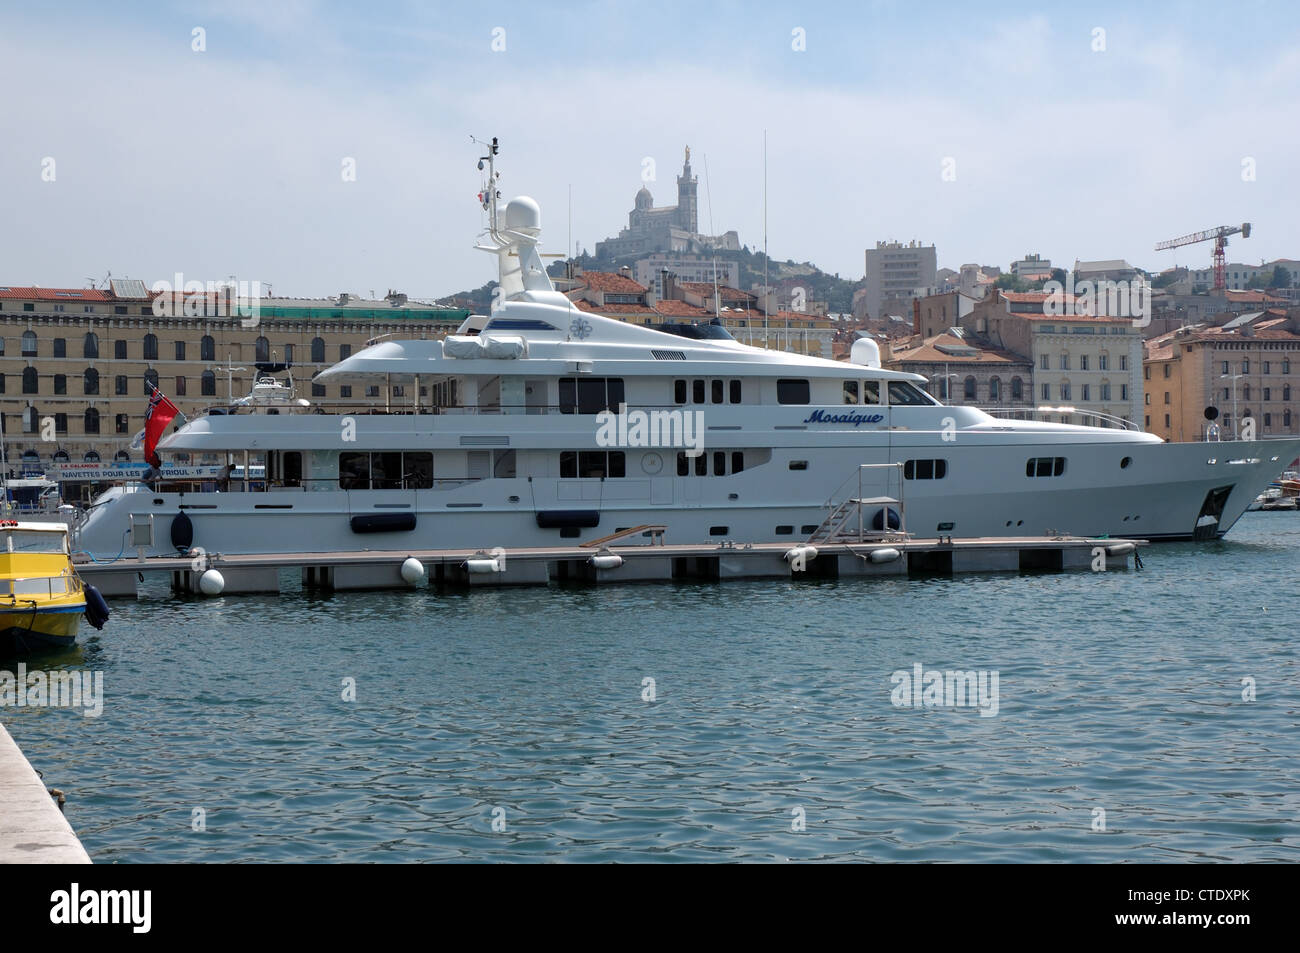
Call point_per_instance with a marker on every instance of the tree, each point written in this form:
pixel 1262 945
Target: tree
pixel 1010 282
pixel 1281 277
pixel 1257 281
pixel 1059 276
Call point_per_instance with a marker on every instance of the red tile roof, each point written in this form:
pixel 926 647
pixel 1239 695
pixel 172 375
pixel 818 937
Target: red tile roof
pixel 726 294
pixel 612 309
pixel 56 294
pixel 611 282
pixel 680 309
pixel 1242 297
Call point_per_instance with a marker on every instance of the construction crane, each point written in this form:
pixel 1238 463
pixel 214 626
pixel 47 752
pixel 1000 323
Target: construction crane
pixel 1220 237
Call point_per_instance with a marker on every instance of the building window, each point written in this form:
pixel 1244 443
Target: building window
pixel 122 424
pixel 1047 392
pixel 30 381
pixel 150 381
pixel 1123 392
pixel 372 390
pixel 1267 391
pixel 345 390
pixel 318 390
pixel 1045 362
pixel 208 384
pixel 345 351
pixel 1065 390
pixel 1286 419
pixel 1225 367
pixel 1017 388
pixel 1065 362
pixel 1265 367
pixel 288 354
pixel 995 389
pixel 119 350
pixel 119 384
pixel 180 350
pixel 90 347
pixel 29 344
pixel 1083 362
pixel 1087 393
pixel 1286 364
pixel 61 424
pixel 180 385
pixel 1245 392
pixel 318 350
pixel 207 348
pixel 1268 421
pixel 1166 397
pixel 1123 362
pixel 968 389
pixel 90 381
pixel 1286 391
pixel 1146 372
pixel 60 384
pixel 151 347
pixel 1103 362
pixel 60 347
pixel 31 420
pixel 92 420
pixel 262 350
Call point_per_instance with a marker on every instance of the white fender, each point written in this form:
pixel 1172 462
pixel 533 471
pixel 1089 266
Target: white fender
pixel 211 583
pixel 412 571
pixel 886 555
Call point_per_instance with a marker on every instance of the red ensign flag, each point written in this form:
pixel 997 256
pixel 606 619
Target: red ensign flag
pixel 156 418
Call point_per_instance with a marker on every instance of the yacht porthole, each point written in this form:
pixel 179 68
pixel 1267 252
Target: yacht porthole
pixel 652 463
pixel 1123 464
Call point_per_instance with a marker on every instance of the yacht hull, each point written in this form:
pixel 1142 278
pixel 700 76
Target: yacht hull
pixel 1149 490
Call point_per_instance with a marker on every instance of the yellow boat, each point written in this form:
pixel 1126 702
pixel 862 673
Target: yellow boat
pixel 42 599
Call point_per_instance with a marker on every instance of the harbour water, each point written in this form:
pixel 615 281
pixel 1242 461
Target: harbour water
pixel 1141 716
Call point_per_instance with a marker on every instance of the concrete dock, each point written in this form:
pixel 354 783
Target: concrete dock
pixel 32 828
pixel 620 561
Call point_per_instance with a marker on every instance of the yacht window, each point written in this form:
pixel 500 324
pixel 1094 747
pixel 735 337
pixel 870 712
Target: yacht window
pixel 702 465
pixel 503 464
pixel 697 392
pixel 568 464
pixel 850 392
pixel 719 463
pixel 617 464
pixel 789 391
pixel 30 542
pixel 385 471
pixel 1045 466
pixel 591 463
pixel 798 464
pixel 785 530
pixel 925 469
pixel 683 468
pixel 590 395
pixel 737 461
pixel 735 392
pixel 717 388
pixel 871 392
pixel 903 393
pixel 418 469
pixel 679 392
pixel 354 471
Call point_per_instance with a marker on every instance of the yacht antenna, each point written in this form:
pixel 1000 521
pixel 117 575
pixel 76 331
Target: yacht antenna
pixel 767 291
pixel 488 197
pixel 708 192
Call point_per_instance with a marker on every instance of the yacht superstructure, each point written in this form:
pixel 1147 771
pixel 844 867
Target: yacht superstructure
pixel 540 422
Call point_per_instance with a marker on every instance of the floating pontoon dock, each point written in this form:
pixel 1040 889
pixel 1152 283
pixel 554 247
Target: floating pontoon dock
pixel 609 560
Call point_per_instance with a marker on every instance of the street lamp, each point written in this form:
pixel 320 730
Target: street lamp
pixel 1234 378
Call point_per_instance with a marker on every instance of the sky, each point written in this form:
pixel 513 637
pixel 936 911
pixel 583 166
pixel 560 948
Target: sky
pixel 324 147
